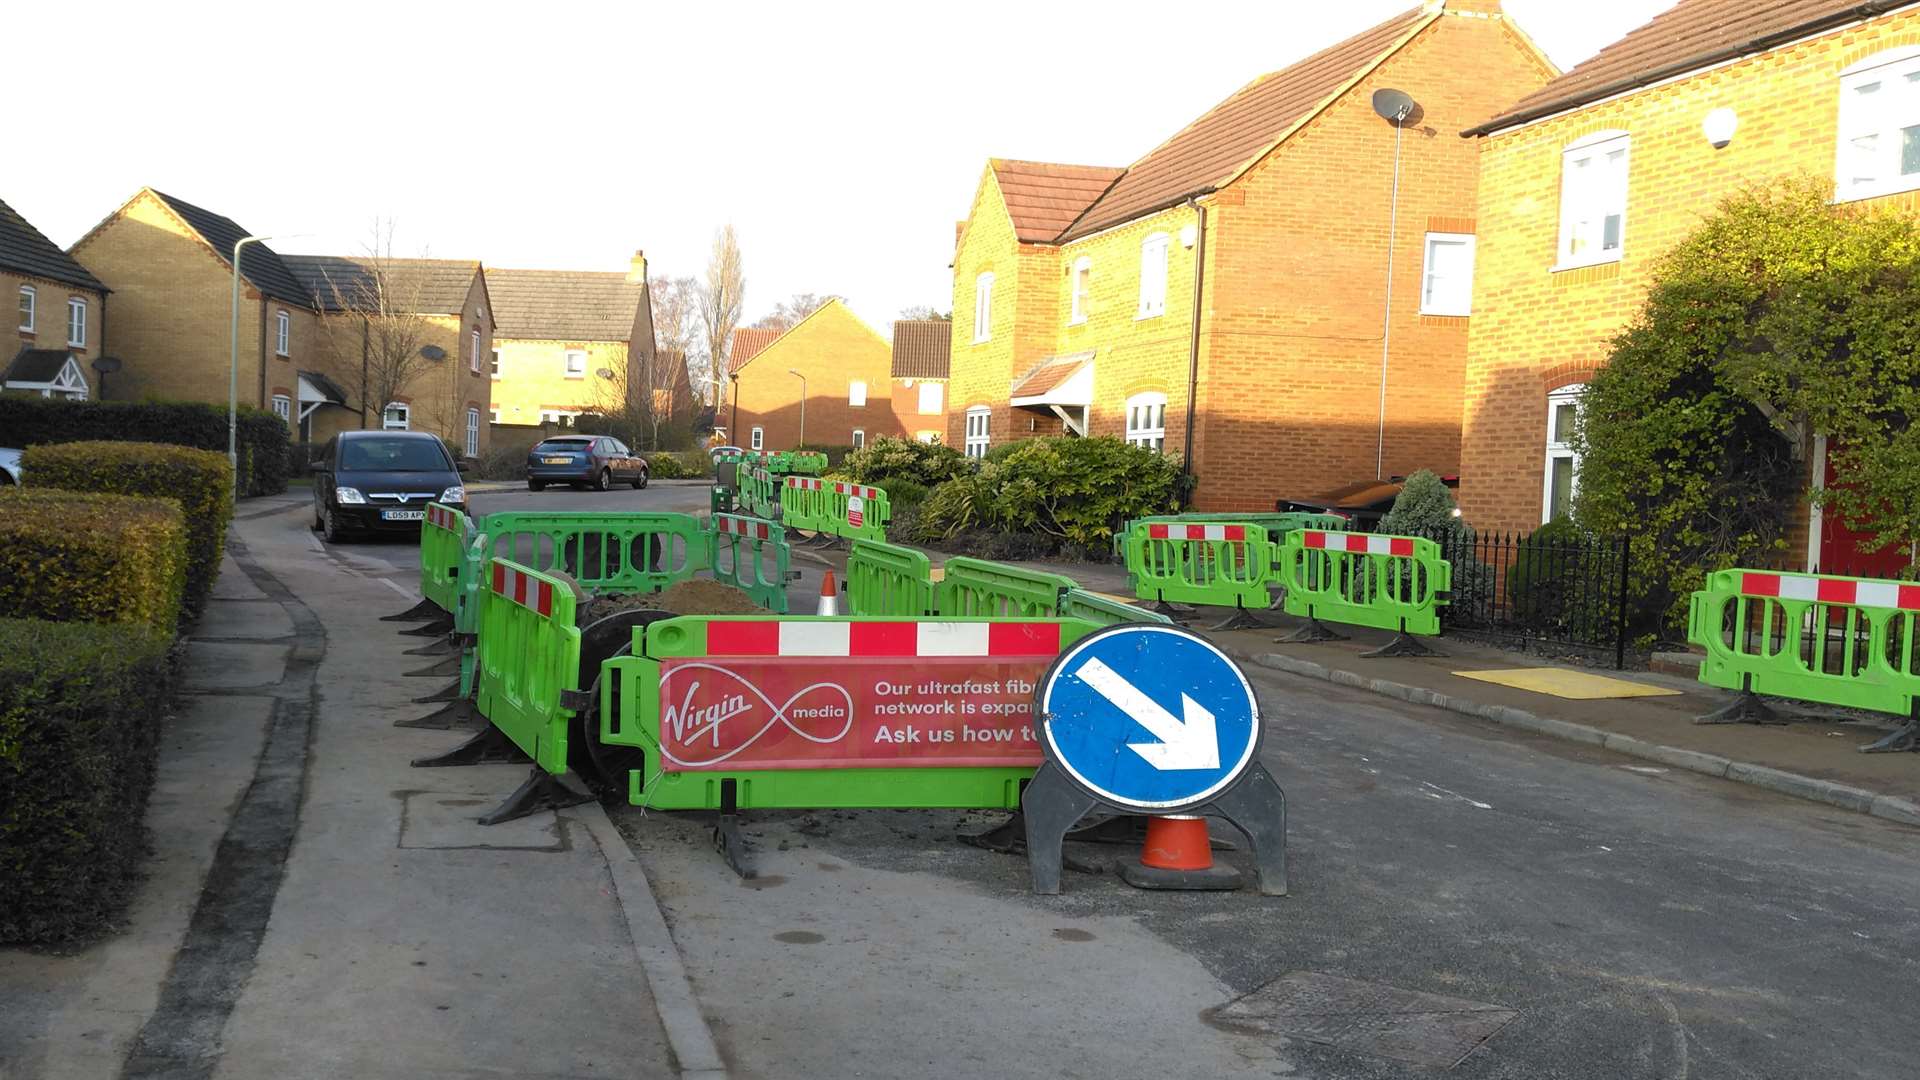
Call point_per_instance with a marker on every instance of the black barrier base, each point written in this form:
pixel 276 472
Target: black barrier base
pixel 441 625
pixel 1315 630
pixel 1215 878
pixel 1905 740
pixel 1242 619
pixel 1010 838
pixel 453 714
pixel 425 609
pixel 436 648
pixel 1744 709
pixel 726 833
pixel 449 666
pixel 1279 600
pixel 1403 644
pixel 541 791
pixel 449 692
pixel 488 747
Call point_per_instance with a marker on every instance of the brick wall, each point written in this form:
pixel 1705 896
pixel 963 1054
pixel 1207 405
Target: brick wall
pixel 50 321
pixel 1535 329
pixel 832 348
pixel 910 419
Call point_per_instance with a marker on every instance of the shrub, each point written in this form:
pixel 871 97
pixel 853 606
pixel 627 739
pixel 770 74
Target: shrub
pixel 901 492
pixel 926 463
pixel 261 437
pixel 199 479
pixel 80 713
pixel 950 509
pixel 1555 583
pixel 503 461
pixel 836 455
pixel 1076 490
pixel 1424 507
pixel 70 556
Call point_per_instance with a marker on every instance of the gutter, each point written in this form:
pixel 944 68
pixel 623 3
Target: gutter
pixel 1857 13
pixel 1193 344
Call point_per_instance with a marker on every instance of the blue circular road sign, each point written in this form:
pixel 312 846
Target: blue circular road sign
pixel 1149 717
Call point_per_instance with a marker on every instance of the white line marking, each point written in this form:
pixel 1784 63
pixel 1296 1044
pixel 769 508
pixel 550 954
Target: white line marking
pixel 389 583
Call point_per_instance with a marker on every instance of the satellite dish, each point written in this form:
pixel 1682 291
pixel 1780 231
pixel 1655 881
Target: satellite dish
pixel 605 372
pixel 1394 106
pixel 106 365
pixel 433 352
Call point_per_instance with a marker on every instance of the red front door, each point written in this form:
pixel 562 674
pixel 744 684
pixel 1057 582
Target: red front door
pixel 1840 551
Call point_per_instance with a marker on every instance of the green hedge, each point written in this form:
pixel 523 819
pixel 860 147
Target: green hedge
pixel 262 436
pixel 199 479
pixel 73 556
pixel 80 713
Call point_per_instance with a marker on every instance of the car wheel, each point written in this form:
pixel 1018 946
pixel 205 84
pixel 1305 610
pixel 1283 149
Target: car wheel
pixel 536 485
pixel 641 484
pixel 330 529
pixel 603 481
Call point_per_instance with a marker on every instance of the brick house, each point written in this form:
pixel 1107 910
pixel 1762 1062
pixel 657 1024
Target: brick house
pixel 572 341
pixel 62 309
pixel 1077 306
pixel 922 350
pixel 1588 181
pixel 847 370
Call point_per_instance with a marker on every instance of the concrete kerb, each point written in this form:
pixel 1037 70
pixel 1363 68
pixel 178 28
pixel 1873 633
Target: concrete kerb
pixel 1844 796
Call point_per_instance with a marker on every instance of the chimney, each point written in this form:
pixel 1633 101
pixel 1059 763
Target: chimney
pixel 637 270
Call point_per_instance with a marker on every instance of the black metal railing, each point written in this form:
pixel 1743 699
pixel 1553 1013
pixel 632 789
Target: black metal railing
pixel 1556 592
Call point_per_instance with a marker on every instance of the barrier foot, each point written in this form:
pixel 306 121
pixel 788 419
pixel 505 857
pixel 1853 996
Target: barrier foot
pixel 449 692
pixel 436 648
pixel 1279 600
pixel 488 747
pixel 1051 806
pixel 425 609
pixel 447 717
pixel 541 791
pixel 1905 740
pixel 449 666
pixel 1241 619
pixel 1010 838
pixel 1258 808
pixel 437 628
pixel 726 833
pixel 1747 708
pixel 1171 611
pixel 1315 630
pixel 1403 644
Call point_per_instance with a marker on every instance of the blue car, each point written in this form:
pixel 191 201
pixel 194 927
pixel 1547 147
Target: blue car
pixel 580 460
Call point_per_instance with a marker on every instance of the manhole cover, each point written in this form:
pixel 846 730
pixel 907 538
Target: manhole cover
pixel 1388 1022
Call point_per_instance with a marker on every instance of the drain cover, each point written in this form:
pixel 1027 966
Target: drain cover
pixel 1405 1025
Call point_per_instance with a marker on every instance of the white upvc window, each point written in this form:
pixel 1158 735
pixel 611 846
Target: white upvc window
pixel 397 416
pixel 983 307
pixel 495 369
pixel 576 363
pixel 1563 465
pixel 282 333
pixel 1446 285
pixel 1153 276
pixel 1593 200
pixel 76 322
pixel 930 395
pixel 473 354
pixel 29 307
pixel 759 440
pixel 1082 285
pixel 859 439
pixel 283 407
pixel 473 432
pixel 1147 421
pixel 978 419
pixel 856 392
pixel 1879 150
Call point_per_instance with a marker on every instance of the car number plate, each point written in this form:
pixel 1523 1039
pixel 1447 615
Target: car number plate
pixel 402 515
pixel 556 460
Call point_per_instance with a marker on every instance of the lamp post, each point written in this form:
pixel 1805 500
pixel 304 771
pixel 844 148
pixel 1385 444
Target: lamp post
pixel 1396 107
pixel 233 368
pixel 803 405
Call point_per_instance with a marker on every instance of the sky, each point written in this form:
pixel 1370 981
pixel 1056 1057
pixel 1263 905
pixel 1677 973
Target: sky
pixel 842 140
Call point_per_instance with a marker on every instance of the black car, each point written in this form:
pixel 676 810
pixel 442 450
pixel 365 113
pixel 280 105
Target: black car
pixel 382 481
pixel 580 460
pixel 1363 503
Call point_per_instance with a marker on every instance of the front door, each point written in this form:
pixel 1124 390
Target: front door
pixel 1840 546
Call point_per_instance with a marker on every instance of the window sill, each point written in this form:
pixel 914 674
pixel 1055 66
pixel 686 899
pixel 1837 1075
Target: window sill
pixel 1877 192
pixel 1082 321
pixel 1584 264
pixel 580 376
pixel 1145 315
pixel 1431 314
pixel 282 356
pixel 981 340
pixel 76 344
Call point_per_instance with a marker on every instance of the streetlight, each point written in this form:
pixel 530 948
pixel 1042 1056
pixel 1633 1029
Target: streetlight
pixel 803 405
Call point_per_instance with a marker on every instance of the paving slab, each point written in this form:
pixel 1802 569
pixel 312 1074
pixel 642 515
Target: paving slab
pixel 228 620
pixel 219 666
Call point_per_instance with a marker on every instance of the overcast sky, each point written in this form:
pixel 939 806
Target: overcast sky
pixel 842 140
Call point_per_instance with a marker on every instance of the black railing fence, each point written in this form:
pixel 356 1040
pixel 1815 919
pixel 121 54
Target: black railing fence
pixel 1561 593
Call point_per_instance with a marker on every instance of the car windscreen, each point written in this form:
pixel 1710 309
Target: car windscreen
pixel 392 455
pixel 564 446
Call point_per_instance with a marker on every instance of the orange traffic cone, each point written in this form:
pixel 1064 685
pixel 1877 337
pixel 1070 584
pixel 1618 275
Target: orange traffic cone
pixel 1178 854
pixel 829 596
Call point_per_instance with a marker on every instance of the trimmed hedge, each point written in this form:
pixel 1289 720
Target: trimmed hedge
pixel 70 556
pixel 199 479
pixel 261 436
pixel 80 713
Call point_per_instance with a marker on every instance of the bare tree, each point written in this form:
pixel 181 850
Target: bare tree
pixel 794 308
pixel 721 298
pixel 372 323
pixel 923 312
pixel 643 396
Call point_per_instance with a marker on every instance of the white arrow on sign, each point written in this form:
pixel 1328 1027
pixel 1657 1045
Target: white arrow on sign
pixel 1188 744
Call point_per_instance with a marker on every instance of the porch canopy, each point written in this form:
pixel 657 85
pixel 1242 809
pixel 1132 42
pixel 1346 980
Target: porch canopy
pixel 1061 386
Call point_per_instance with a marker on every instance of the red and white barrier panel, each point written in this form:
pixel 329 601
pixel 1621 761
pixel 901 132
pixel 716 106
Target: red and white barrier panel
pixel 806 483
pixel 856 489
pixel 442 518
pixel 1359 543
pixel 1826 590
pixel 1236 533
pixel 765 637
pixel 524 589
pixel 748 527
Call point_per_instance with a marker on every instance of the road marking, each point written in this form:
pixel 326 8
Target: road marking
pixel 389 583
pixel 1456 795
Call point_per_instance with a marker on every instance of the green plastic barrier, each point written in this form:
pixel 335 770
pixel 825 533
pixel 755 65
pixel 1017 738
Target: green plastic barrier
pixel 1087 607
pixel 803 502
pixel 739 552
pixel 855 511
pixel 443 535
pixel 726 481
pixel 807 462
pixel 532 655
pixel 886 579
pixel 603 552
pixel 1277 525
pixel 977 587
pixel 469 602
pixel 1365 579
pixel 1221 563
pixel 758 492
pixel 850 678
pixel 1811 637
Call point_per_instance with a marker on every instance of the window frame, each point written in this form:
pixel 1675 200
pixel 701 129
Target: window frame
pixel 1599 145
pixel 283 407
pixel 939 397
pixel 983 307
pixel 1427 306
pixel 406 416
pixel 1886 66
pixel 494 368
pixel 76 305
pixel 30 308
pixel 282 333
pixel 758 437
pixel 1558 449
pixel 473 432
pixel 1149 406
pixel 568 363
pixel 981 440
pixel 856 393
pixel 1080 288
pixel 859 438
pixel 1153 285
pixel 473 360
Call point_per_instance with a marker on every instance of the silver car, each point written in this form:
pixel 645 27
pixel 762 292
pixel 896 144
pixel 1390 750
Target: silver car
pixel 9 468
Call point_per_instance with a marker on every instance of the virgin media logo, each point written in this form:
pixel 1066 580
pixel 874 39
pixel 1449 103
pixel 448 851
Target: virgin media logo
pixel 724 714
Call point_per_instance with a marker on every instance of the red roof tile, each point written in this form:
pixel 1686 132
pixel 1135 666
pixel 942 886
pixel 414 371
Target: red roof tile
pixel 1049 374
pixel 1044 198
pixel 747 343
pixel 1692 34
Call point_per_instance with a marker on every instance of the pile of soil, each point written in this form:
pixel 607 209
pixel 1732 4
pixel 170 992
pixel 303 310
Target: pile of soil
pixel 694 596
